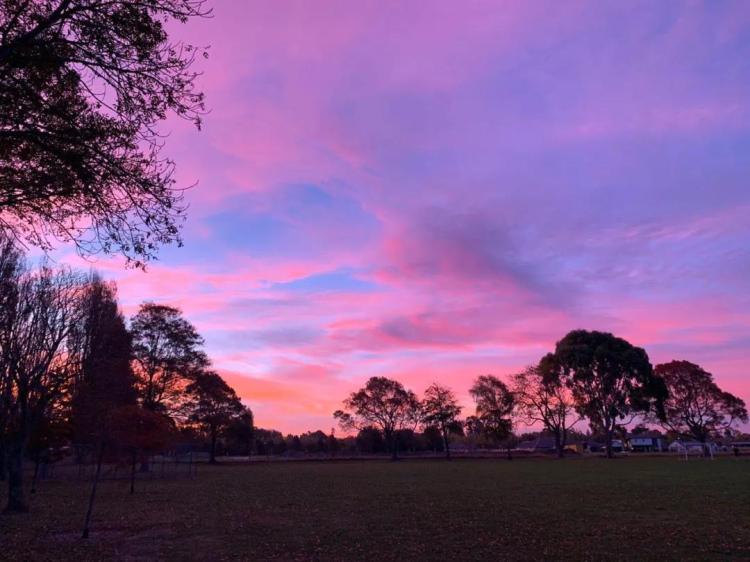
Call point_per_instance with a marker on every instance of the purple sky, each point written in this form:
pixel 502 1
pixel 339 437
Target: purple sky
pixel 433 191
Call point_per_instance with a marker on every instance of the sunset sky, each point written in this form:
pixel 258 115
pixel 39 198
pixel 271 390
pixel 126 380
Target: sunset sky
pixel 437 190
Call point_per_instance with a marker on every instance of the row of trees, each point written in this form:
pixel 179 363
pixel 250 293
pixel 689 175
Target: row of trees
pixel 74 373
pixel 592 376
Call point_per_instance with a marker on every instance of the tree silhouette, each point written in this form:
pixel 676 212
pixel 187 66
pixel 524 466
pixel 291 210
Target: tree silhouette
pixel 241 431
pixel 212 404
pixel 101 349
pixel 166 356
pixel 542 396
pixel 50 433
pixel 139 432
pixel 12 266
pixel 611 380
pixel 36 365
pixel 103 382
pixel 696 407
pixel 370 440
pixel 433 438
pixel 83 87
pixel 383 403
pixel 440 408
pixel 473 426
pixel 494 407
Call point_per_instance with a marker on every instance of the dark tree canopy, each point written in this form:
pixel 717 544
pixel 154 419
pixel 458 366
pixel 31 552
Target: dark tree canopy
pixel 103 377
pixel 166 355
pixel 83 87
pixel 611 379
pixel 383 403
pixel 370 440
pixel 494 407
pixel 240 431
pixel 440 409
pixel 541 396
pixel 696 407
pixel 212 404
pixel 36 365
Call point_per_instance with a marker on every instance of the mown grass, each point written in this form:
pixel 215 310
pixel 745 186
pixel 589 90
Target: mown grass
pixel 632 509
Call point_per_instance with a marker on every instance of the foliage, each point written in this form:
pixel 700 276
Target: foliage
pixel 212 404
pixel 136 430
pixel 440 408
pixel 370 440
pixel 383 403
pixel 611 380
pixel 66 374
pixel 240 432
pixel 83 87
pixel 36 366
pixel 696 407
pixel 166 356
pixel 494 407
pixel 541 397
pixel 101 348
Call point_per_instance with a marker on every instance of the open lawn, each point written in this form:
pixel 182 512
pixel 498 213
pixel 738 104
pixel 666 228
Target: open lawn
pixel 628 508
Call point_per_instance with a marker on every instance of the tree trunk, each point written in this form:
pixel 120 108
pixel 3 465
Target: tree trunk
pixel 559 445
pixel 704 448
pixel 16 500
pixel 132 471
pixel 445 444
pixel 608 445
pixel 90 509
pixel 394 446
pixel 33 479
pixel 3 466
pixel 212 455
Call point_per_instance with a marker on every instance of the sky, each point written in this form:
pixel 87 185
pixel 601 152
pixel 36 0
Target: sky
pixel 435 191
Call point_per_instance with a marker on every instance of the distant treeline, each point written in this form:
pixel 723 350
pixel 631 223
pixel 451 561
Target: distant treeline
pixel 592 376
pixel 371 441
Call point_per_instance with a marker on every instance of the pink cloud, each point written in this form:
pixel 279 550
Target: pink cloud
pixel 467 183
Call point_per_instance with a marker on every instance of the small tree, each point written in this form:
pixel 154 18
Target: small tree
pixel 696 407
pixel 611 380
pixel 494 407
pixel 383 403
pixel 241 431
pixel 49 434
pixel 212 404
pixel 541 396
pixel 433 438
pixel 138 433
pixel 440 408
pixel 370 440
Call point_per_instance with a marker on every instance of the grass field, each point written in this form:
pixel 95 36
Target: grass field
pixel 631 508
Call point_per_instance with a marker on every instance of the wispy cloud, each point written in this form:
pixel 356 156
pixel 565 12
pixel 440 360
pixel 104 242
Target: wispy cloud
pixel 437 193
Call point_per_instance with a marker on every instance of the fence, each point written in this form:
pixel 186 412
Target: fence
pixel 83 468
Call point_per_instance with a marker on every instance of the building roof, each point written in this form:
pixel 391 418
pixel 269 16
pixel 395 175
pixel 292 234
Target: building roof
pixel 543 443
pixel 646 435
